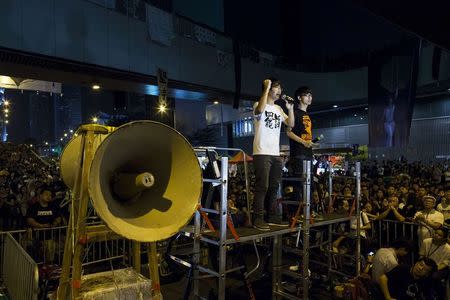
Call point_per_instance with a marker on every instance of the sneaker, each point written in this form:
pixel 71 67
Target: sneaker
pixel 277 221
pixel 261 225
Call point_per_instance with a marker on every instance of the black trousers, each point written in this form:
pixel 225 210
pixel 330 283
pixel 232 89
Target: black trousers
pixel 296 170
pixel 267 181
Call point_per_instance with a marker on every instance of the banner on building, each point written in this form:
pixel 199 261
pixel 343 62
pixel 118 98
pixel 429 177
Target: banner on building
pixel 392 93
pixel 160 25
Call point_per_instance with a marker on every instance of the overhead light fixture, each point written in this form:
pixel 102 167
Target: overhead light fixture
pixel 95 86
pixel 6 102
pixel 335 106
pixel 216 102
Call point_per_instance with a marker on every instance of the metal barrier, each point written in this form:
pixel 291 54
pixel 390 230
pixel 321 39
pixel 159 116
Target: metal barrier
pixel 387 231
pixel 21 276
pixel 46 246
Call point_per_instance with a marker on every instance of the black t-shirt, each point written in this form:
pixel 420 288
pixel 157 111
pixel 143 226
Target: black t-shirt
pixel 43 215
pixel 303 129
pixel 402 284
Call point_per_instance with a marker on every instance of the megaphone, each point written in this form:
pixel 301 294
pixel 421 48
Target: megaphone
pixel 70 159
pixel 145 181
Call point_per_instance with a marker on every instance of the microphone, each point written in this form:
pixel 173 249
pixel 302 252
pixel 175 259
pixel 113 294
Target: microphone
pixel 317 139
pixel 287 98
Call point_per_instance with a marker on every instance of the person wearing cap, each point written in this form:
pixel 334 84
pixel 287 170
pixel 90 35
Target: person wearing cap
pixel 428 218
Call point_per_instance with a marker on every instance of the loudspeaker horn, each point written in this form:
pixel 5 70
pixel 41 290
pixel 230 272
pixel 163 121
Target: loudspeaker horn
pixel 145 181
pixel 70 158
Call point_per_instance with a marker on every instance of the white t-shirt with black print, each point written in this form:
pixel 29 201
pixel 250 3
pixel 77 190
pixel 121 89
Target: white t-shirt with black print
pixel 267 130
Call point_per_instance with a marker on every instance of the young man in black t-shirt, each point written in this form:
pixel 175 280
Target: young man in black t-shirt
pixel 300 136
pixel 43 214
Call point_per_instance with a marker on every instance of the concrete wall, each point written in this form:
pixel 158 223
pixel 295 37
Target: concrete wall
pixel 87 32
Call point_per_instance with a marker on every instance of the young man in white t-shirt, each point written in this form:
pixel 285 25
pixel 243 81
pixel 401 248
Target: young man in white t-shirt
pixel 266 147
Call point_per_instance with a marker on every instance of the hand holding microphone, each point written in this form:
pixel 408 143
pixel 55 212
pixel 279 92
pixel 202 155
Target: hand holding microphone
pixel 289 101
pixel 314 142
pixel 317 139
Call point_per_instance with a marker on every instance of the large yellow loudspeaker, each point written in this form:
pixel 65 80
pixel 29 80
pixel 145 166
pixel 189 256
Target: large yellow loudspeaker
pixel 71 155
pixel 145 181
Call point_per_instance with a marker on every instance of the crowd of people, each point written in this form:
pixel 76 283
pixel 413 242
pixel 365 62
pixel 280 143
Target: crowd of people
pixel 31 191
pixel 33 195
pixel 416 193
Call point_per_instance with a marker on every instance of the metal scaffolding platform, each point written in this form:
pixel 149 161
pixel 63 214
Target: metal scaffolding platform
pixel 223 238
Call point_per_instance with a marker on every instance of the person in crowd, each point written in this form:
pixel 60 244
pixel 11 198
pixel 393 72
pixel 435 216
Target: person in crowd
pixel 267 162
pixel 437 174
pixel 437 249
pixel 385 259
pixel 406 282
pixel 428 219
pixel 317 204
pixel 403 196
pixel 444 206
pixel 365 193
pixel 3 208
pixel 447 175
pixel 365 223
pixel 392 211
pixel 43 214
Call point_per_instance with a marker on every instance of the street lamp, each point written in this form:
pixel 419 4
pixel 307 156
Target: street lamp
pixel 162 108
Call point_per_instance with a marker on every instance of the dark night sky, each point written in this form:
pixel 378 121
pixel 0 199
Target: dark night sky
pixel 258 23
pixel 331 28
